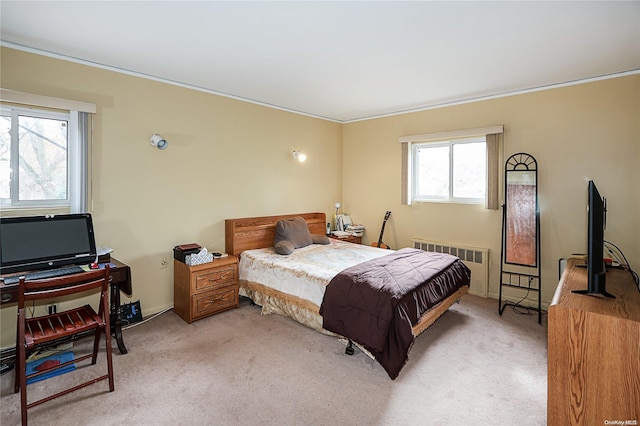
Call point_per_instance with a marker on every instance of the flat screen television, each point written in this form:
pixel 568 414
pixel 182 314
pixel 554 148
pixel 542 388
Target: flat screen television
pixel 41 242
pixel 596 224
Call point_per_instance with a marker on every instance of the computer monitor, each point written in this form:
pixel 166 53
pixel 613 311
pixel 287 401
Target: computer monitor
pixel 41 242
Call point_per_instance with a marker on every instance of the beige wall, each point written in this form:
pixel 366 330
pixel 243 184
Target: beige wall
pixel 225 159
pixel 228 158
pixel 576 133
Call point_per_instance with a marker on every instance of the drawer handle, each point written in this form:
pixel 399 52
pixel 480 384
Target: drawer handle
pixel 221 277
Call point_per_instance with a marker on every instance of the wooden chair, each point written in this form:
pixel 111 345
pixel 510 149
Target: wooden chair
pixel 38 330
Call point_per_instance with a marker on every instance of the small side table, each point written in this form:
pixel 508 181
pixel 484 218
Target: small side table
pixel 349 239
pixel 120 281
pixel 206 289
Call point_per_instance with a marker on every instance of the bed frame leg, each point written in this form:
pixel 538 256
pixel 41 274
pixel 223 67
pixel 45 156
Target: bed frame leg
pixel 349 350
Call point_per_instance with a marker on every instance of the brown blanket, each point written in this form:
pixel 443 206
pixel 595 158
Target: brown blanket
pixel 376 303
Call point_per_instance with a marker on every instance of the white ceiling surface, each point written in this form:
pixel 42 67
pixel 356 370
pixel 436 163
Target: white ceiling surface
pixel 342 61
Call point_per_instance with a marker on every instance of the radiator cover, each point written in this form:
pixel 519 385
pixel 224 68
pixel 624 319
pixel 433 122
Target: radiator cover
pixel 476 259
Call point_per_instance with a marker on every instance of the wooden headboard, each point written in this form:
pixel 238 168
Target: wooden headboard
pixel 258 232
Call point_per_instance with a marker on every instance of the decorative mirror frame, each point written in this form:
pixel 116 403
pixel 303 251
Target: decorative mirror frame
pixel 520 228
pixel 521 214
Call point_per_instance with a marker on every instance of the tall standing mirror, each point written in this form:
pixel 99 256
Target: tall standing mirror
pixel 521 218
pixel 520 226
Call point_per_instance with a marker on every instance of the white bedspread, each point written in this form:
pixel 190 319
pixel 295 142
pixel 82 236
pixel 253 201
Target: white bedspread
pixel 306 272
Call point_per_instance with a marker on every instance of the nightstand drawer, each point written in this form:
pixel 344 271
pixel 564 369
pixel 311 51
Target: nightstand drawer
pixel 349 239
pixel 216 279
pixel 215 301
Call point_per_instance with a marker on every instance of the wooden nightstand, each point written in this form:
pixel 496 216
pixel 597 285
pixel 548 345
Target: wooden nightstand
pixel 349 239
pixel 206 289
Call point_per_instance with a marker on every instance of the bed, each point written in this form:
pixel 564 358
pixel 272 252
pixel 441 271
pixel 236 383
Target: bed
pixel 302 285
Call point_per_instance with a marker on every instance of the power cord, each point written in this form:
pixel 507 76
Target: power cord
pixel 135 324
pixel 522 309
pixel 622 260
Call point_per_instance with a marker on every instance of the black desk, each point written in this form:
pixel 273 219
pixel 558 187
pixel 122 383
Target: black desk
pixel 120 280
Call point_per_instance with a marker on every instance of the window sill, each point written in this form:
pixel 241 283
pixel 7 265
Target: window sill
pixel 436 201
pixel 34 211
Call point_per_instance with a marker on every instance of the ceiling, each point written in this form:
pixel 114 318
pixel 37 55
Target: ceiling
pixel 342 61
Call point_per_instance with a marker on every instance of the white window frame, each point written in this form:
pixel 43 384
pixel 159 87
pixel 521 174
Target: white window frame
pixel 14 201
pixel 450 198
pixel 79 141
pixel 494 136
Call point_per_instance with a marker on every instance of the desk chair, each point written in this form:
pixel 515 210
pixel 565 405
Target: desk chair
pixel 48 328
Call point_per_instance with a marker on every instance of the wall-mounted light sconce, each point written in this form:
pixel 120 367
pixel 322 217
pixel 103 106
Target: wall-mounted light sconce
pixel 158 141
pixel 300 156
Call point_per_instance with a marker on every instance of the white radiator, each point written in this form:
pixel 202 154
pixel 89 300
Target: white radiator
pixel 476 259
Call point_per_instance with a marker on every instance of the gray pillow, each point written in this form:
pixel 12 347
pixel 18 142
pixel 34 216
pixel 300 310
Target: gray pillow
pixel 294 230
pixel 284 247
pixel 320 239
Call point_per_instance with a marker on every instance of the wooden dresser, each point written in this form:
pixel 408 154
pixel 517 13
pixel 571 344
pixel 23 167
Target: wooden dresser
pixel 594 352
pixel 206 289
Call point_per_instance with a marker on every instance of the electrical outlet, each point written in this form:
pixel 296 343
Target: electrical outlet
pixel 163 262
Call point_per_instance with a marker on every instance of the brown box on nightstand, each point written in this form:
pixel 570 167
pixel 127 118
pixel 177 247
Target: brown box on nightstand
pixel 181 251
pixel 206 289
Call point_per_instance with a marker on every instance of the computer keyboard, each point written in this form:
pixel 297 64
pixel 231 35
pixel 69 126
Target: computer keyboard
pixel 48 273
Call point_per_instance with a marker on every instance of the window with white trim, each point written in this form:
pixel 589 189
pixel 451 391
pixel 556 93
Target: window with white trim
pixel 35 160
pixel 450 171
pixel 32 175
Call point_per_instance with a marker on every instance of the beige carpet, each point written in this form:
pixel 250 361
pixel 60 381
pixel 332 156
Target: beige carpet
pixel 472 367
